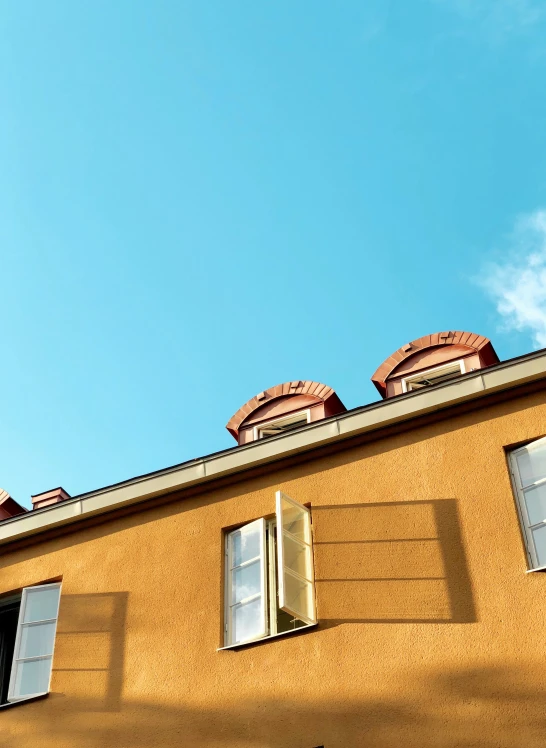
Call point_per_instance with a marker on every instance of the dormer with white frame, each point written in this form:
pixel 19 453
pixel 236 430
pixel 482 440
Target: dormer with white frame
pixel 433 360
pixel 283 408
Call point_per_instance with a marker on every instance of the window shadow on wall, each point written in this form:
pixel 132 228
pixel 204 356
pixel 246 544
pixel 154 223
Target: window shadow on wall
pixel 90 648
pixel 485 707
pixel 391 562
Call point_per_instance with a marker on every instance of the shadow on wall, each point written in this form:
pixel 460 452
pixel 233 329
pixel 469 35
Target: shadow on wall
pixel 481 707
pixel 90 649
pixel 391 562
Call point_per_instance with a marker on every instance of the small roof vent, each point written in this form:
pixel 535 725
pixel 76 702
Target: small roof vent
pixel 433 359
pixel 283 408
pixel 54 496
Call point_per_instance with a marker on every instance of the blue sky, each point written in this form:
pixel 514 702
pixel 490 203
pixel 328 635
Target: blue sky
pixel 200 200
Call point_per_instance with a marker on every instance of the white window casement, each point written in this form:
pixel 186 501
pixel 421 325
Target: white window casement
pixel 528 469
pixel 270 587
pixel 33 641
pixel 281 425
pixel 433 376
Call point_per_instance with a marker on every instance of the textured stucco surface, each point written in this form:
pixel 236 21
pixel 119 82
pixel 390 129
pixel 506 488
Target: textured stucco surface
pixel 431 633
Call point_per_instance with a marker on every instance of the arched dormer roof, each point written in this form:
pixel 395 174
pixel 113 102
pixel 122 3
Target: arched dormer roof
pixel 464 343
pixel 289 397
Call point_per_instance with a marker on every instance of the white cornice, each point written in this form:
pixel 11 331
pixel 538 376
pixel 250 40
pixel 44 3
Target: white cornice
pixel 498 378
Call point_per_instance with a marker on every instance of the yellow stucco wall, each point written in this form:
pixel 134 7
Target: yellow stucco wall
pixel 431 633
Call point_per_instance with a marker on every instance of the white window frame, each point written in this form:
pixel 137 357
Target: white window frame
pixel 271 579
pixel 283 570
pixel 230 567
pixel 517 483
pixel 421 374
pixel 21 624
pixel 282 420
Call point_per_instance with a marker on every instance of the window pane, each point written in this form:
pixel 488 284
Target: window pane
pixel 539 537
pixel 298 597
pixel 535 500
pixel 32 677
pixel 294 520
pixel 287 622
pixel 532 464
pixel 37 640
pixel 41 604
pixel 246 544
pixel 246 581
pixel 297 557
pixel 247 621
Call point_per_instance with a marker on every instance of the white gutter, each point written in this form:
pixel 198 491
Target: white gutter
pixel 504 376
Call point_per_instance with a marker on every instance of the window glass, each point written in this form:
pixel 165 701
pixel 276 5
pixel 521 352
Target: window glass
pixel 32 655
pixel 37 640
pixel 32 676
pixel 294 519
pixel 41 604
pixel 532 464
pixel 247 621
pixel 539 537
pixel 535 501
pixel 297 557
pixel 246 582
pixel 298 596
pixel 246 545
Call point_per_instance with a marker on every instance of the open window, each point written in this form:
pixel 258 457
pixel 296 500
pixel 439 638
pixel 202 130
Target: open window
pixel 281 425
pixel 270 586
pixel 528 468
pixel 28 623
pixel 433 376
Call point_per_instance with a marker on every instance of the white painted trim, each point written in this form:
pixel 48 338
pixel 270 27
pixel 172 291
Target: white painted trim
pixel 368 419
pixel 16 650
pixel 420 374
pixel 262 558
pixel 281 419
pixel 268 638
pixel 521 504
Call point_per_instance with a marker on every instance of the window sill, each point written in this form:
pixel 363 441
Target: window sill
pixel 24 701
pixel 537 568
pixel 264 639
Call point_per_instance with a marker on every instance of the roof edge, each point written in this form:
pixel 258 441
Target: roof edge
pixel 366 419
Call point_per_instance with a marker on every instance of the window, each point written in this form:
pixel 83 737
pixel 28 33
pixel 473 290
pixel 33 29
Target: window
pixel 528 468
pixel 280 425
pixel 269 575
pixel 28 623
pixel 433 376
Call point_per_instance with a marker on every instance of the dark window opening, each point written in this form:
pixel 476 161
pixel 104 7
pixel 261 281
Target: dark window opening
pixel 281 425
pixel 442 374
pixel 9 614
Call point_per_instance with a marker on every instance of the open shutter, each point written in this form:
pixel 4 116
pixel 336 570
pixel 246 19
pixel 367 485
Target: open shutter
pixel 295 559
pixel 34 642
pixel 246 589
pixel 530 475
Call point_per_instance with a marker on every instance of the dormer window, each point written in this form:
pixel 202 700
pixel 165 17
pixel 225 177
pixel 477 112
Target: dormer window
pixel 283 408
pixel 433 359
pixel 433 376
pixel 281 425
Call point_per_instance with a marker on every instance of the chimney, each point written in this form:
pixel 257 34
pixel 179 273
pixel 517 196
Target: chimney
pixel 47 498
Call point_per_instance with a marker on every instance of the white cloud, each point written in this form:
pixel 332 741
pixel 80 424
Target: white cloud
pixel 518 283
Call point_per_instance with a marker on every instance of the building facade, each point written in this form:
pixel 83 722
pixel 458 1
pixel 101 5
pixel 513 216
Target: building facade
pixel 339 578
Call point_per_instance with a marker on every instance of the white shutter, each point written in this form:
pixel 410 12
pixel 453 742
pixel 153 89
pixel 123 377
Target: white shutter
pixel 34 642
pixel 529 469
pixel 246 588
pixel 295 559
